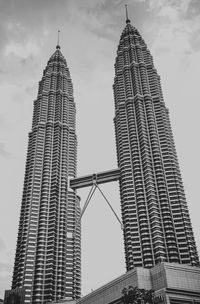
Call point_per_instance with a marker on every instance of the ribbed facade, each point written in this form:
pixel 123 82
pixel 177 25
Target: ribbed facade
pixel 156 221
pixel 47 261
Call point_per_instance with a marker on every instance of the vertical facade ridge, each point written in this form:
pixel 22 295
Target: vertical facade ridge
pixel 47 248
pixel 154 208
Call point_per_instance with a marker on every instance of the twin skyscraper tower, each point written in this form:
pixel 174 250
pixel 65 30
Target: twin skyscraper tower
pixel 156 223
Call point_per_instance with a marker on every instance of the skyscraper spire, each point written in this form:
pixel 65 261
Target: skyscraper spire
pixel 58 41
pixel 127 19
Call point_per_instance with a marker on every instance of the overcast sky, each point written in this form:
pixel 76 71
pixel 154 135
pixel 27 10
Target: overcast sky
pixel 90 31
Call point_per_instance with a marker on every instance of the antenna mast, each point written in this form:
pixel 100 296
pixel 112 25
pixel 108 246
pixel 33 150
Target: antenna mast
pixel 127 19
pixel 58 40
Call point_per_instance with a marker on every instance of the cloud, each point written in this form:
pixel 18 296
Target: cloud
pixel 179 27
pixel 194 40
pixel 193 9
pixel 30 89
pixel 24 20
pixel 5 277
pixel 4 267
pixel 22 51
pixel 2 245
pixel 3 152
pixel 167 7
pixel 102 18
pixel 2 121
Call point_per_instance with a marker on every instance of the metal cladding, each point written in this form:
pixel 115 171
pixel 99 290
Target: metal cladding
pixel 155 216
pixel 47 261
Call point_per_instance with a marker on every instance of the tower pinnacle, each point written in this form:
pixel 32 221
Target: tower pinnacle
pixel 58 41
pixel 127 19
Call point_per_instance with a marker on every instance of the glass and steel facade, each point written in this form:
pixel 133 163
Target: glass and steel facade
pixel 156 221
pixel 47 261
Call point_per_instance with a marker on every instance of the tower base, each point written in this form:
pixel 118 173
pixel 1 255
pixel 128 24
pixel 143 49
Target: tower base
pixel 172 284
